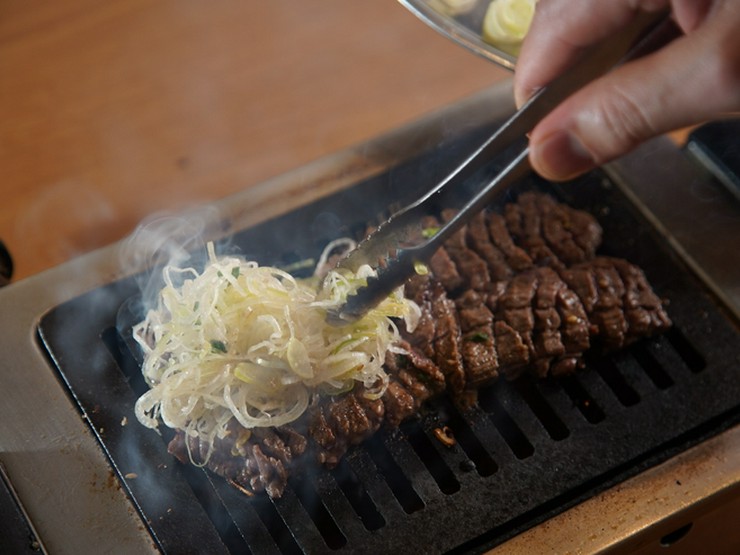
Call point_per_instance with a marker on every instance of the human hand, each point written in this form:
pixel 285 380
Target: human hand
pixel 693 79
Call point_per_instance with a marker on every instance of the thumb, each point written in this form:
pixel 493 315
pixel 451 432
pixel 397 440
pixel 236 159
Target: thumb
pixel 693 79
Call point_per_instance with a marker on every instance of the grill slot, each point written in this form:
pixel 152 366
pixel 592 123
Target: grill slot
pixel 273 521
pixel 432 460
pixel 686 350
pixel 582 399
pixel 512 434
pixel 654 370
pixel 552 423
pixel 537 447
pixel 358 498
pixel 250 525
pixel 470 442
pixel 613 378
pixel 312 503
pixel 394 476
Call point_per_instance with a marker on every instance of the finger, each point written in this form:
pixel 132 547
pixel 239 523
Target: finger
pixel 694 79
pixel 559 32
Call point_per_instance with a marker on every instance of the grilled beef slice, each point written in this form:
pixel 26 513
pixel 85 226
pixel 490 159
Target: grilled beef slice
pixel 509 293
pixel 533 231
pixel 261 459
pixel 541 321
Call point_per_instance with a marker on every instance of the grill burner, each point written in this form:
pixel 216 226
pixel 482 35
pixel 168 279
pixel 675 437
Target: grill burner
pixel 531 450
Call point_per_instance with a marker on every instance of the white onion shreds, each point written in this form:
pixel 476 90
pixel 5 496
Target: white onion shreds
pixel 251 343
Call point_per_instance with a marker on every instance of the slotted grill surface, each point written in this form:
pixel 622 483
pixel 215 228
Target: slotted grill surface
pixel 531 449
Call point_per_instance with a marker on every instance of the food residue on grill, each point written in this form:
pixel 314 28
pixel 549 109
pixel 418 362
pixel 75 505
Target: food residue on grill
pixel 516 291
pixel 445 436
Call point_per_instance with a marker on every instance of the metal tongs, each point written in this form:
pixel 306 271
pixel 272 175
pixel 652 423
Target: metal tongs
pixel 397 247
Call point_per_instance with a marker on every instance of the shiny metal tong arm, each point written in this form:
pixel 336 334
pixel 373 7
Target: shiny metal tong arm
pixel 400 244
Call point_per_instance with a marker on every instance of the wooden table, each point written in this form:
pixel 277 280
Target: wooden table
pixel 113 111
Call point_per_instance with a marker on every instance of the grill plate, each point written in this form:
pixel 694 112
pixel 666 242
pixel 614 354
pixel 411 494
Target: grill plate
pixel 533 448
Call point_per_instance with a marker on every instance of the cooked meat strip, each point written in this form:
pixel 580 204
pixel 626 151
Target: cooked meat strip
pixel 573 235
pixel 582 281
pixel 519 291
pixel 444 268
pixel 350 419
pixel 497 289
pixel 418 373
pixel 552 233
pixel 271 475
pixel 515 308
pixel 547 339
pixel 535 321
pixel 534 230
pixel 256 460
pixel 441 265
pixel 525 222
pixel 643 309
pixel 619 303
pixel 471 267
pixel 478 350
pixel 513 352
pixel 447 339
pixel 418 289
pixel 481 359
pixel 337 423
pixel 575 327
pixel 501 237
pixel 584 229
pixel 399 403
pixel 473 312
pixel 480 241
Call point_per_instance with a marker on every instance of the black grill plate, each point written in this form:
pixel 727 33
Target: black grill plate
pixel 531 450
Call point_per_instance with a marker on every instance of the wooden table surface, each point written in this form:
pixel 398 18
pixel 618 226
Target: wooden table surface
pixel 113 111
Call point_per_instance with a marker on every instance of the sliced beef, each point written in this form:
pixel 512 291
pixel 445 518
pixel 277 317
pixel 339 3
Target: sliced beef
pixel 445 270
pixel 337 423
pixel 508 294
pixel 516 257
pixel 447 339
pixel 533 231
pixel 418 289
pixel 441 264
pixel 413 379
pixel 480 241
pixel 418 373
pixel 619 303
pixel 512 350
pixel 399 403
pixel 479 355
pixel 256 460
pixel 528 326
pixel 470 265
pixel 643 309
pixel 524 219
pixel 552 233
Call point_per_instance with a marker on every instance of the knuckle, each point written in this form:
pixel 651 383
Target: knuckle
pixel 625 122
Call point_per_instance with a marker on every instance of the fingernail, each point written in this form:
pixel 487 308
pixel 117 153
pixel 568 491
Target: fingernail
pixel 560 156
